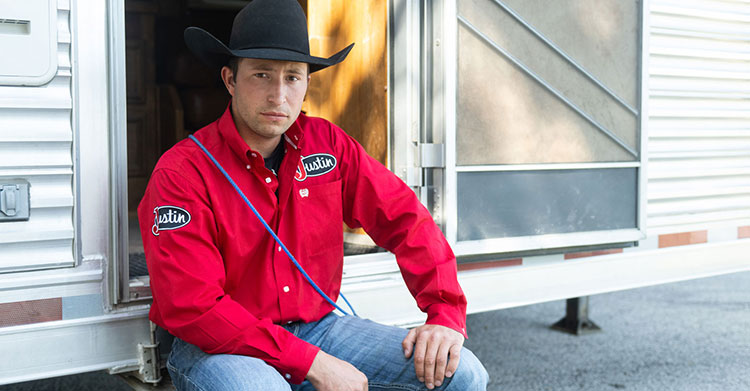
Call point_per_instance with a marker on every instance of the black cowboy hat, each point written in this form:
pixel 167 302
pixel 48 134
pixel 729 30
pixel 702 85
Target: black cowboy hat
pixel 264 29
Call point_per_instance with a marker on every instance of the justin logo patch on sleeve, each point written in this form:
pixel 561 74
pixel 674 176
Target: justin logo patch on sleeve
pixel 314 165
pixel 168 218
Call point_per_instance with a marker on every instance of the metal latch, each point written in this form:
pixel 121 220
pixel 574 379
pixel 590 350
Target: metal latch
pixel 14 200
pixel 8 203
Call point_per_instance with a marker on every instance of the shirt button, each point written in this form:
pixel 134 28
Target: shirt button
pixel 253 154
pixel 268 180
pixel 286 289
pixel 288 376
pixel 279 249
pixel 248 166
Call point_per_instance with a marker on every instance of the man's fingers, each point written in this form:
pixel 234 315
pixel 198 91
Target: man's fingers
pixel 430 360
pixel 420 348
pixel 408 342
pixel 441 362
pixel 455 356
pixel 436 353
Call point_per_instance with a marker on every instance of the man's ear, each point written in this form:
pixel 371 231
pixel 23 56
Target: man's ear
pixel 307 89
pixel 228 78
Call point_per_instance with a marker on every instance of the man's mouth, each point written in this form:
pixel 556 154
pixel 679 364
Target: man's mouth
pixel 274 115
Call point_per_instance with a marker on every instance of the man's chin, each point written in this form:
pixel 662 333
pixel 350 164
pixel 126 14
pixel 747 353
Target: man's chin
pixel 271 131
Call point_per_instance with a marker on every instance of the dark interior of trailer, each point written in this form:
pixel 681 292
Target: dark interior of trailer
pixel 171 94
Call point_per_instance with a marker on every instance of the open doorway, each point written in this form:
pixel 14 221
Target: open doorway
pixel 171 94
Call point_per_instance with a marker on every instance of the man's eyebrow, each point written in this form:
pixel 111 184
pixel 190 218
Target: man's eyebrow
pixel 297 70
pixel 261 67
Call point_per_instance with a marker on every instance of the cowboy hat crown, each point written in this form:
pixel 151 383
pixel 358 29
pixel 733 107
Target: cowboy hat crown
pixel 263 29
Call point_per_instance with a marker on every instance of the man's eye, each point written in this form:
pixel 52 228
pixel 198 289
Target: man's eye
pixel 261 75
pixel 293 78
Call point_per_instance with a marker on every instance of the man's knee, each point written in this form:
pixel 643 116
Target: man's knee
pixel 470 375
pixel 192 369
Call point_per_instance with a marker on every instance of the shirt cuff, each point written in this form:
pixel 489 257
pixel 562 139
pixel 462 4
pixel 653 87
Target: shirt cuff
pixel 448 316
pixel 297 360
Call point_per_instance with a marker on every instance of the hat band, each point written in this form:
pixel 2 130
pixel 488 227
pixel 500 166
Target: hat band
pixel 269 47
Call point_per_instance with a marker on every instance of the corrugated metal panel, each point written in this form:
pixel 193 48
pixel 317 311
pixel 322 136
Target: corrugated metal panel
pixel 36 144
pixel 699 119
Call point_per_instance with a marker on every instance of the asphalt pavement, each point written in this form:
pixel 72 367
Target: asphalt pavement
pixel 687 336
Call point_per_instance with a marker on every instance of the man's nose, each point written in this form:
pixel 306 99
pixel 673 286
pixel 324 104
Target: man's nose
pixel 277 93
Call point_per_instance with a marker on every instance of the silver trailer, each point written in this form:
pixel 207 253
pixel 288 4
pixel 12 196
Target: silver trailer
pixel 566 148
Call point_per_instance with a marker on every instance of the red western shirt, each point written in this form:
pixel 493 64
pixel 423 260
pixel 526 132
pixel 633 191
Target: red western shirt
pixel 220 281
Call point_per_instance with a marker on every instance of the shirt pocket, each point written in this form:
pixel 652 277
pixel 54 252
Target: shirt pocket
pixel 319 209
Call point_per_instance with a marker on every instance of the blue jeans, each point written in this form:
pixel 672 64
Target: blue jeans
pixel 373 348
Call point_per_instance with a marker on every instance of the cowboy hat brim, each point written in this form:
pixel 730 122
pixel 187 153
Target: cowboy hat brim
pixel 213 52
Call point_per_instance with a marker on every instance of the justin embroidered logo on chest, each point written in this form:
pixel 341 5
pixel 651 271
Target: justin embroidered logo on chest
pixel 314 165
pixel 168 218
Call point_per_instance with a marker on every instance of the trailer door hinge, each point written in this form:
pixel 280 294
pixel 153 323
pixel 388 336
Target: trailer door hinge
pixel 150 370
pixel 413 176
pixel 432 155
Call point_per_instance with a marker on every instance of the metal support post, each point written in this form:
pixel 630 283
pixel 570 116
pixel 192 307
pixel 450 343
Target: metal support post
pixel 576 320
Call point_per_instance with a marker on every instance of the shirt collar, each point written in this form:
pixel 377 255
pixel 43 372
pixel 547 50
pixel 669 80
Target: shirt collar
pixel 237 144
pixel 294 134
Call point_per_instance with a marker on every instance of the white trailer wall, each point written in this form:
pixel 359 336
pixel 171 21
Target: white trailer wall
pixel 699 125
pixel 36 144
pixel 85 337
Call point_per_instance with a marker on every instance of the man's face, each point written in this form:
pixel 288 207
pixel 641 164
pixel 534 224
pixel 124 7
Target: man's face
pixel 267 95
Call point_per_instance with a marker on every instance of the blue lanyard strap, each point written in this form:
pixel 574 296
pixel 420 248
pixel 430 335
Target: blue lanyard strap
pixel 270 231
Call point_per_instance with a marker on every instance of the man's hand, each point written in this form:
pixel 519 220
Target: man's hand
pixel 328 373
pixel 431 346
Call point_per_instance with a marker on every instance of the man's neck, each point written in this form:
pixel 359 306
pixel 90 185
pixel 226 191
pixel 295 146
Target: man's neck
pixel 264 146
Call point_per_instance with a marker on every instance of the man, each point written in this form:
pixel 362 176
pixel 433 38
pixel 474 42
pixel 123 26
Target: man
pixel 243 317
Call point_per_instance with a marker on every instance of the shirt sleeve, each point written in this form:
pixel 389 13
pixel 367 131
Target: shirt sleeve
pixel 377 200
pixel 187 282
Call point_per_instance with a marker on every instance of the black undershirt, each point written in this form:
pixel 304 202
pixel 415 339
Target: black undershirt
pixel 273 162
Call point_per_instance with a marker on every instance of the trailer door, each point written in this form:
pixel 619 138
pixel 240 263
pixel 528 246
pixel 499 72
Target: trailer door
pixel 538 112
pixel 161 93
